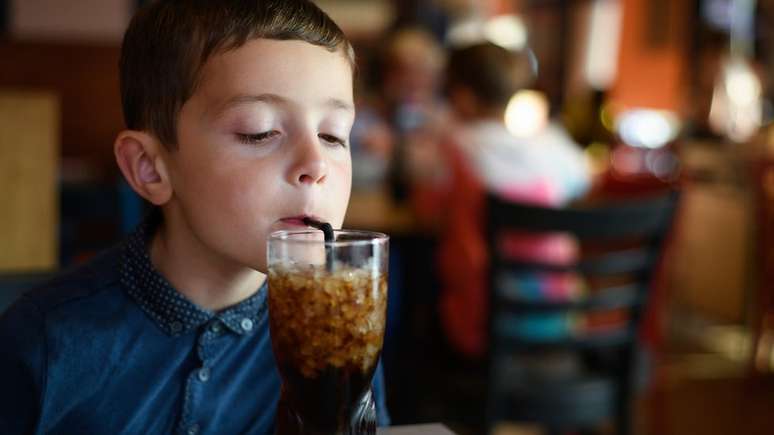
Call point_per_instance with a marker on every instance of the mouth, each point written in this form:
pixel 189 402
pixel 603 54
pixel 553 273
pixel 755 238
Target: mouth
pixel 295 222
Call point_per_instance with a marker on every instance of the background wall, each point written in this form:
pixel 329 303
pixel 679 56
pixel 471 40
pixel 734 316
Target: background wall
pixel 94 20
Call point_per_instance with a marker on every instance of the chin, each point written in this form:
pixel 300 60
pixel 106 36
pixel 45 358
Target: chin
pixel 259 266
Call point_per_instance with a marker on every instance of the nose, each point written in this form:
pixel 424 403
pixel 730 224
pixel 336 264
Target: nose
pixel 310 165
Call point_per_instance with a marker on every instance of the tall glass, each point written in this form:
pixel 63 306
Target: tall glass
pixel 327 308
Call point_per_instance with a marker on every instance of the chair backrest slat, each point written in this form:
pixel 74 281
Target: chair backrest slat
pixel 629 219
pixel 507 339
pixel 610 298
pixel 618 262
pixel 622 261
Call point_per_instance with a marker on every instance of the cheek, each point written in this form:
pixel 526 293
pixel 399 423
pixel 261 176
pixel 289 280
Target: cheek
pixel 221 188
pixel 248 191
pixel 341 172
pixel 341 185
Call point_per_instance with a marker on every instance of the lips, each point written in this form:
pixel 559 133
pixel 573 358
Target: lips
pixel 293 222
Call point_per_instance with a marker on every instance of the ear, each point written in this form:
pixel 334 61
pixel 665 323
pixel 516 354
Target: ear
pixel 140 157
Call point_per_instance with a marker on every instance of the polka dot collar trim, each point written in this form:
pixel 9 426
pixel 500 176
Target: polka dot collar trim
pixel 169 309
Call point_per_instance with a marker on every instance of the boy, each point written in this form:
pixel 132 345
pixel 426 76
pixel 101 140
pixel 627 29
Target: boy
pixel 238 114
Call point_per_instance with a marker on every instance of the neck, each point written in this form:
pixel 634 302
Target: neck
pixel 210 281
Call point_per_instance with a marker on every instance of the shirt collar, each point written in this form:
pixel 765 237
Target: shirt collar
pixel 168 308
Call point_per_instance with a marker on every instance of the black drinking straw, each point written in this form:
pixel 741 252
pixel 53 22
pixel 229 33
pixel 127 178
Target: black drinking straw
pixel 327 230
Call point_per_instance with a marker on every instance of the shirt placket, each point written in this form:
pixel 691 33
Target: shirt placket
pixel 194 421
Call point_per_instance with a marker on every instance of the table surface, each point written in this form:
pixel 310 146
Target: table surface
pixel 375 211
pixel 418 429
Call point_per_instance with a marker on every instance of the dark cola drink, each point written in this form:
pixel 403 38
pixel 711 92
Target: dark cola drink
pixel 327 329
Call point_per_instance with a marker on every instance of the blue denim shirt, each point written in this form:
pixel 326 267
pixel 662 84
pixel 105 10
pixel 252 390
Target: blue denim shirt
pixel 112 348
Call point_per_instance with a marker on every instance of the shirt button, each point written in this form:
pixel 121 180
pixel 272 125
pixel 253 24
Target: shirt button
pixel 247 324
pixel 193 429
pixel 204 374
pixel 216 328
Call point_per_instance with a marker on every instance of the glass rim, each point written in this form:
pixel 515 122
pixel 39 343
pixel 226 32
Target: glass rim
pixel 369 237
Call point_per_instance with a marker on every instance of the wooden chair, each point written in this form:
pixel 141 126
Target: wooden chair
pixel 620 249
pixel 29 146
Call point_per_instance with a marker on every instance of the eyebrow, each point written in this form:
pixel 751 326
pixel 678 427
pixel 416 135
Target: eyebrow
pixel 333 103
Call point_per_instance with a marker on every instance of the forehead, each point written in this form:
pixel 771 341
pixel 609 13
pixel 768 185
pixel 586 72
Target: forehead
pixel 295 70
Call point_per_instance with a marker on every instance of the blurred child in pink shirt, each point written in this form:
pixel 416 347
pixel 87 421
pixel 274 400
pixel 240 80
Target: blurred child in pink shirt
pixel 481 155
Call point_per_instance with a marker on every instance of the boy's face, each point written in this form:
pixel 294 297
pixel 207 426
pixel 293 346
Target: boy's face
pixel 263 142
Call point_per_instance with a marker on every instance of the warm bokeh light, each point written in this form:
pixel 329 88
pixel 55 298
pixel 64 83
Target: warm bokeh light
pixel 507 31
pixel 598 156
pixel 464 32
pixel 526 113
pixel 607 117
pixel 663 164
pixel 737 109
pixel 600 66
pixel 646 128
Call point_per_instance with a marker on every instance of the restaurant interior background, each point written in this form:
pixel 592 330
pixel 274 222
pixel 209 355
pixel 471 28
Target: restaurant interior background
pixel 660 94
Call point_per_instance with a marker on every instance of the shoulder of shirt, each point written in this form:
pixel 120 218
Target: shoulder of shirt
pixel 83 282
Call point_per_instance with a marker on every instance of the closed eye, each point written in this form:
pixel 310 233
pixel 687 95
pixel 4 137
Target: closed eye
pixel 256 138
pixel 333 139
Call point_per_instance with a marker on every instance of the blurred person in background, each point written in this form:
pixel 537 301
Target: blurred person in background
pixel 480 154
pixel 405 108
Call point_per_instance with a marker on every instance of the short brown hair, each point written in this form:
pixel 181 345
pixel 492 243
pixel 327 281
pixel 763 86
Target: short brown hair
pixel 491 72
pixel 169 41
